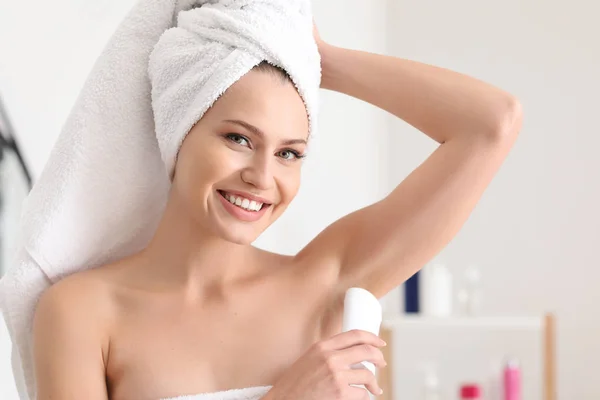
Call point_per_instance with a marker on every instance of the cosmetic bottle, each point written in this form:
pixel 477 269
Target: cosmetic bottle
pixel 436 292
pixel 469 297
pixel 512 380
pixel 470 392
pixel 431 390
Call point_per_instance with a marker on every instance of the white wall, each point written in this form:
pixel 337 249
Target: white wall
pixel 536 231
pixel 532 234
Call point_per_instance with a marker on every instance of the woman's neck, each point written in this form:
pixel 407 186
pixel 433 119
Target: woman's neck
pixel 184 254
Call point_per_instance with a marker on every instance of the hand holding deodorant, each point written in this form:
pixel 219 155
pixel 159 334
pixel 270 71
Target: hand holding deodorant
pixel 362 311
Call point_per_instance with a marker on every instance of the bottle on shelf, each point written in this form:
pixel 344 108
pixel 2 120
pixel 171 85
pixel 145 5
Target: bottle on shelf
pixel 469 297
pixel 494 389
pixel 431 390
pixel 436 291
pixel 512 380
pixel 470 392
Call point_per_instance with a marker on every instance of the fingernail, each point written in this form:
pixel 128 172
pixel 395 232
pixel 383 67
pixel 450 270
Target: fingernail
pixel 380 391
pixel 384 342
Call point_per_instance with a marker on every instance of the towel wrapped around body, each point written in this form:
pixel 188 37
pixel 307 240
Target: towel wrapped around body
pixel 250 393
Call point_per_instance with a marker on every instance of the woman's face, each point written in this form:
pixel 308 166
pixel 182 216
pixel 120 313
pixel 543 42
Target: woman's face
pixel 239 167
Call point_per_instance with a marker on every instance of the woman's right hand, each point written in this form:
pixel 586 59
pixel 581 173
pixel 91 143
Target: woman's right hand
pixel 324 371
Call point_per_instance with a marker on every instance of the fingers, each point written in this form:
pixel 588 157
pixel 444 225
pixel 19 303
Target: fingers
pixel 352 338
pixel 357 393
pixel 362 377
pixel 357 354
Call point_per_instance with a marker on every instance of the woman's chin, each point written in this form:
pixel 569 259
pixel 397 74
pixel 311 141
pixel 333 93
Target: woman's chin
pixel 238 235
pixel 242 241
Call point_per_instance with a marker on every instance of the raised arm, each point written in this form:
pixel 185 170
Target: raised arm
pixel 475 123
pixel 69 345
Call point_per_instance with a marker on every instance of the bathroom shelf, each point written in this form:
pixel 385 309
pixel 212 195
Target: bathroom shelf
pixel 477 322
pixel 466 348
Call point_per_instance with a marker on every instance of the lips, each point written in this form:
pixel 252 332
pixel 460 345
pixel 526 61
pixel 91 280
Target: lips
pixel 242 202
pixel 247 211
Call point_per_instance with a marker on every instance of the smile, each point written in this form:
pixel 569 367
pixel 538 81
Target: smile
pixel 246 204
pixel 242 208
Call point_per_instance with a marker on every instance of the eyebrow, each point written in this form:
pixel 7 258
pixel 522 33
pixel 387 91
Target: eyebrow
pixel 260 133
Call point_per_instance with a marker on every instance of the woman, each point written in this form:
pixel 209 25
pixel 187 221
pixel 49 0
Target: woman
pixel 200 310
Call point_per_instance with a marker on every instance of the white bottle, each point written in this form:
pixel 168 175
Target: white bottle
pixel 469 296
pixel 493 391
pixel 431 389
pixel 436 292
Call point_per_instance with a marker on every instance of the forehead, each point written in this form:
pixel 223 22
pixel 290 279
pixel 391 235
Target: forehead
pixel 265 101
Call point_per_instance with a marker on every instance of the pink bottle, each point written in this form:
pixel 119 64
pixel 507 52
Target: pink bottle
pixel 470 392
pixel 512 381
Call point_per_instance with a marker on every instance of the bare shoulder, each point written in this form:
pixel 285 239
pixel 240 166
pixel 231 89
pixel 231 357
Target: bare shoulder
pixel 71 332
pixel 80 304
pixel 85 291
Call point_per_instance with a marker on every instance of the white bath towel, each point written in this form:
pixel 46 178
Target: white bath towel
pixel 251 393
pixel 104 188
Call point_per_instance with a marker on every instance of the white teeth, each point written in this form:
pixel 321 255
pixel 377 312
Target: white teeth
pixel 244 203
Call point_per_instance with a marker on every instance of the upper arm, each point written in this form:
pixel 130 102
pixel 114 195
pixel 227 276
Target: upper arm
pixel 382 245
pixel 68 345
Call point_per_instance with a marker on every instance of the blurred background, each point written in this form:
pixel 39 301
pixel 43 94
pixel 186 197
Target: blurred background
pixel 520 281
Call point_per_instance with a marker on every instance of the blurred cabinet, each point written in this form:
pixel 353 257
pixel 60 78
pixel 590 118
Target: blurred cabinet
pixel 468 350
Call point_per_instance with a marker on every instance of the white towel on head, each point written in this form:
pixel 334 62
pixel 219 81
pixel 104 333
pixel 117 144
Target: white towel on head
pixel 213 46
pixel 105 185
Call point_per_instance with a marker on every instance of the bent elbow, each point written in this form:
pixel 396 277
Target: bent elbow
pixel 509 119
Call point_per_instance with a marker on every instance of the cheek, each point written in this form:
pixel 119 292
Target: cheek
pixel 214 163
pixel 204 166
pixel 290 185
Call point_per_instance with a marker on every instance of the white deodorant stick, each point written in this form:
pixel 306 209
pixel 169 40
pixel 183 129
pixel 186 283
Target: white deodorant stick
pixel 362 311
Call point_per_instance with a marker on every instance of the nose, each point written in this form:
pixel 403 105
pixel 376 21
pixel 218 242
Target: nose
pixel 259 172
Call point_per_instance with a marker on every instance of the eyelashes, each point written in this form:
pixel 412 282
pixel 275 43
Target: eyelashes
pixel 285 154
pixel 296 154
pixel 238 139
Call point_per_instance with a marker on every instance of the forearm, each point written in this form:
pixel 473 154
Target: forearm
pixel 441 103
